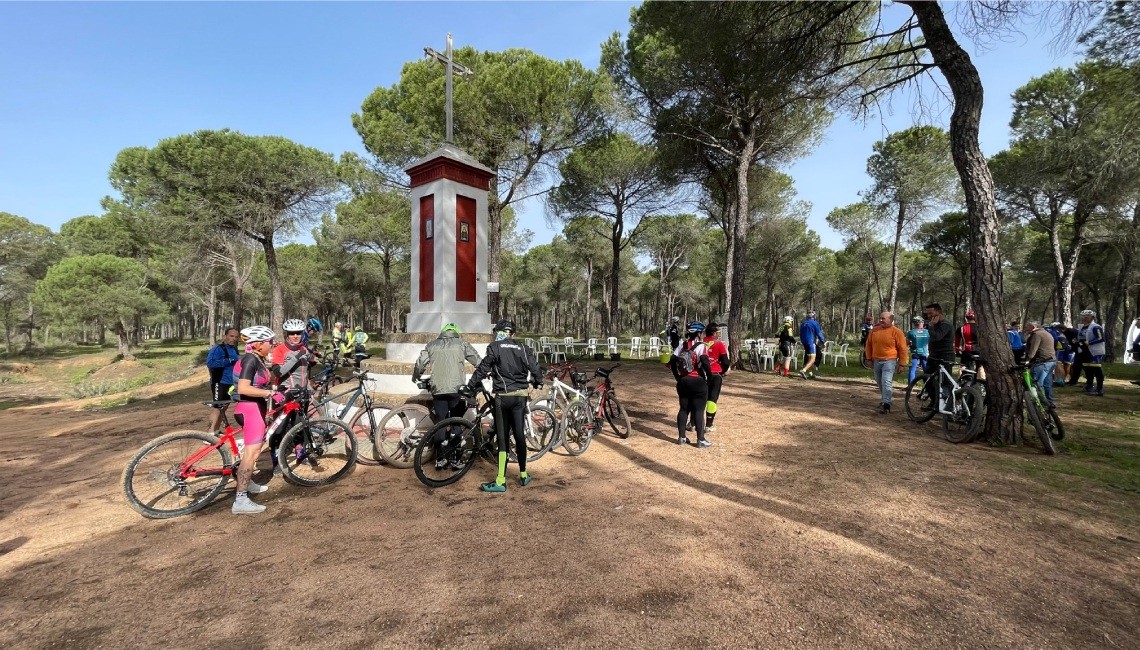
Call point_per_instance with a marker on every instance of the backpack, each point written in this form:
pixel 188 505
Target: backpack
pixel 1061 342
pixel 687 361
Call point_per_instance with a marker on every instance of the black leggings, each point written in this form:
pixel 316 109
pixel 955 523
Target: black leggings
pixel 448 405
pixel 1094 372
pixel 692 393
pixel 513 410
pixel 715 383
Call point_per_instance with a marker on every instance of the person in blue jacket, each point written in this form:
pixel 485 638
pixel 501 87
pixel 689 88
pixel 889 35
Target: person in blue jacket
pixel 812 338
pixel 220 362
pixel 1016 343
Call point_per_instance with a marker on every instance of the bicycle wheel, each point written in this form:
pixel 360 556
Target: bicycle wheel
pixel 398 433
pixel 156 485
pixel 577 430
pixel 317 452
pixel 541 425
pixel 362 427
pixel 966 421
pixel 1037 419
pixel 459 454
pixel 1057 432
pixel 617 416
pixel 919 399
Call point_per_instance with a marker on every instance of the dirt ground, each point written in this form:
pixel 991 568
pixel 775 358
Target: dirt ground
pixel 811 522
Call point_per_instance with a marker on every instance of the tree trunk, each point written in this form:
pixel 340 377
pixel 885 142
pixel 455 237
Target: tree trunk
pixel 494 246
pixel 615 273
pixel 212 332
pixel 277 305
pixel 1120 286
pixel 737 249
pixel 1003 419
pixel 124 340
pixel 893 293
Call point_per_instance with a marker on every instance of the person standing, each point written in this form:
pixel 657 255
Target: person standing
pixel 1079 355
pixel 1091 340
pixel 811 337
pixel 787 347
pixel 865 329
pixel 1064 352
pixel 220 362
pixel 339 336
pixel 718 367
pixel 691 368
pixel 966 343
pixel 511 366
pixel 1013 333
pixel 941 346
pixel 918 339
pixel 672 332
pixel 1041 357
pixel 445 356
pixel 886 346
pixel 254 388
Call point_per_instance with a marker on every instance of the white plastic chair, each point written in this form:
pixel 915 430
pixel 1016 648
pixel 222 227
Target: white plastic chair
pixel 635 347
pixel 842 354
pixel 768 356
pixel 568 344
pixel 654 346
pixel 827 351
pixel 611 345
pixel 591 346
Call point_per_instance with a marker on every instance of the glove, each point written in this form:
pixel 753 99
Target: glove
pixel 466 391
pixel 537 385
pixel 278 398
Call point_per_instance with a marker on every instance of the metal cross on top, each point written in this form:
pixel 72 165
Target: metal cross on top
pixel 448 60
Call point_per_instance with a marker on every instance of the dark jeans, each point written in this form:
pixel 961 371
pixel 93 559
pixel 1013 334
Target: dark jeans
pixel 443 406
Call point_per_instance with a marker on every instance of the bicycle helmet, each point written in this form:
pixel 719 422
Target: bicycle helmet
pixel 916 320
pixel 695 327
pixel 1088 312
pixel 505 326
pixel 316 325
pixel 256 333
pixel 675 319
pixel 1055 324
pixel 358 328
pixel 450 327
pixel 293 326
pixel 338 324
pixel 789 319
pixel 970 314
pixel 811 313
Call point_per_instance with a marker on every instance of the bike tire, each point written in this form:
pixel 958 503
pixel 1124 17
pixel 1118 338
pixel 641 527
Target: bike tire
pixel 399 432
pixel 918 400
pixel 424 458
pixel 327 455
pixel 1058 431
pixel 361 425
pixel 960 429
pixel 576 437
pixel 146 487
pixel 1037 419
pixel 541 428
pixel 617 417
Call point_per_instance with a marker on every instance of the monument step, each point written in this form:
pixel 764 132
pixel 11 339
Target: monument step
pixel 423 338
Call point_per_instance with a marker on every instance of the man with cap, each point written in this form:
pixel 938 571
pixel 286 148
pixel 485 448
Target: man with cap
pixel 511 366
pixel 445 355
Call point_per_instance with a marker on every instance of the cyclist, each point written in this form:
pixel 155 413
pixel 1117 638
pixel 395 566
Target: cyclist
pixel 966 343
pixel 673 332
pixel 1041 357
pixel 1064 351
pixel 787 345
pixel 691 367
pixel 313 328
pixel 339 335
pixel 718 366
pixel 865 329
pixel 292 353
pixel 918 340
pixel 941 346
pixel 1016 343
pixel 511 365
pixel 252 391
pixel 811 336
pixel 446 355
pixel 220 362
pixel 1091 339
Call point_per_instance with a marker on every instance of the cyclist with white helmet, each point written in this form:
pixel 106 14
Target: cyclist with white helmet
pixel 250 396
pixel 691 368
pixel 811 337
pixel 787 346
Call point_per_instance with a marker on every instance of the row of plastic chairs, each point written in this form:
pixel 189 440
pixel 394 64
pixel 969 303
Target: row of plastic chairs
pixel 767 352
pixel 555 350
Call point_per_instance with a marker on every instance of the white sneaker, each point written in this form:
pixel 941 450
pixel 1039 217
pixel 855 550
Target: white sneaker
pixel 256 488
pixel 709 428
pixel 243 506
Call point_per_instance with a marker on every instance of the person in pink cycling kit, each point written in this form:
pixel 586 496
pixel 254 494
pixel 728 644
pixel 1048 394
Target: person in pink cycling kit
pixel 252 393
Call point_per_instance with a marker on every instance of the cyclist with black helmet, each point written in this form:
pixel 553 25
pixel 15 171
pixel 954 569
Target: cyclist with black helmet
pixel 811 337
pixel 511 366
pixel 691 367
pixel 445 356
pixel 787 346
pixel 672 332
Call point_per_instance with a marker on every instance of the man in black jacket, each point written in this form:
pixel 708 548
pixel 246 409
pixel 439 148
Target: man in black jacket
pixel 511 366
pixel 941 345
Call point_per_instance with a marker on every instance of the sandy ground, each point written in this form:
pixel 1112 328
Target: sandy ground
pixel 812 522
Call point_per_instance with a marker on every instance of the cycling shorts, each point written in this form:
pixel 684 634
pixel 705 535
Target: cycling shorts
pixel 809 348
pixel 1095 360
pixel 220 392
pixel 1066 357
pixel 250 416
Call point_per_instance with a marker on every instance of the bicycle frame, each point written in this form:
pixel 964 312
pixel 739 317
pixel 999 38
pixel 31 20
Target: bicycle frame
pixel 948 400
pixel 229 436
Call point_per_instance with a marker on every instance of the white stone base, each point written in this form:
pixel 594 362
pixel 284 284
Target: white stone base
pixel 433 322
pixel 410 352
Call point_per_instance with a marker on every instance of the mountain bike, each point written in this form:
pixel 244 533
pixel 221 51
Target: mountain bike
pixel 462 440
pixel 184 471
pixel 398 432
pixel 962 405
pixel 363 423
pixel 1042 415
pixel 605 403
pixel 559 400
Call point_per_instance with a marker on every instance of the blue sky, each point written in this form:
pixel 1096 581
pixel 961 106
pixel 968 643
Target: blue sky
pixel 81 81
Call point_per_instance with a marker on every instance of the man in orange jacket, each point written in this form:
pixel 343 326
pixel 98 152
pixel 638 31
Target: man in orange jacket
pixel 886 346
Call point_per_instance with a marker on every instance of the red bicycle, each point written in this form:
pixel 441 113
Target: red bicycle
pixel 184 471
